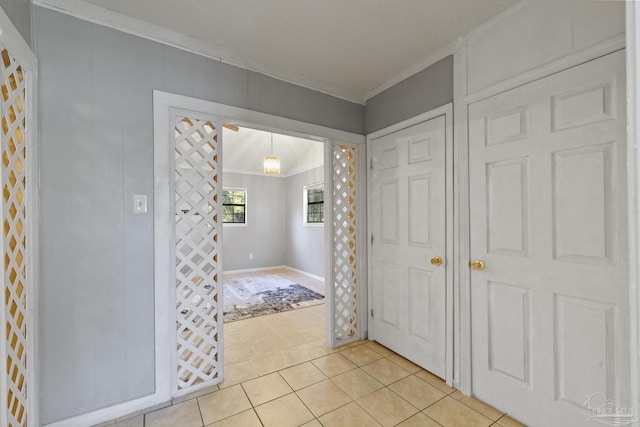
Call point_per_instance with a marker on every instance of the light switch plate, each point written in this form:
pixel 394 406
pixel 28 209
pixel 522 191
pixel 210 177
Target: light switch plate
pixel 139 203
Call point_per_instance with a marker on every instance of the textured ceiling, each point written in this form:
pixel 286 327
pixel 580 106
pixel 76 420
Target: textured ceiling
pixel 349 48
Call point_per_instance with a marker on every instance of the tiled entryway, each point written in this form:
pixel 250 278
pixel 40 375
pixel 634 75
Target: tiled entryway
pixel 278 372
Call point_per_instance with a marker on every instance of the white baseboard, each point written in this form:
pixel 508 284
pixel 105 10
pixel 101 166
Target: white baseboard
pixel 313 276
pixel 123 410
pixel 278 267
pixel 255 270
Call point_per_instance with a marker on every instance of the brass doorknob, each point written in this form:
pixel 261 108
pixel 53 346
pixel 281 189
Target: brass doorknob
pixel 476 265
pixel 436 260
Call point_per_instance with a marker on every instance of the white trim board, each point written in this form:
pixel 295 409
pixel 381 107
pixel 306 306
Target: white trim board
pixel 275 268
pixel 255 119
pixel 118 21
pixel 12 40
pixel 633 192
pixel 256 270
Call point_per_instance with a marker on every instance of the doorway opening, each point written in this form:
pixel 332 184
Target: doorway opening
pixel 273 245
pixel 273 251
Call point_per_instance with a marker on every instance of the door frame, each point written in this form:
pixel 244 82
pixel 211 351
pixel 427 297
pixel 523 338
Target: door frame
pixel 462 99
pixel 451 261
pixel 632 13
pixel 12 40
pixel 163 104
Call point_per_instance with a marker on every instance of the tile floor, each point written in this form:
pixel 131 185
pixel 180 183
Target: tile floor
pixel 278 372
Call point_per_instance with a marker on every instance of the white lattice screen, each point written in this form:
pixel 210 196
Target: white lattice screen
pixel 197 243
pixel 14 182
pixel 345 283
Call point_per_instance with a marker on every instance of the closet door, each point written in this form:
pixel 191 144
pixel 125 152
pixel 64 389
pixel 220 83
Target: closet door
pixel 549 224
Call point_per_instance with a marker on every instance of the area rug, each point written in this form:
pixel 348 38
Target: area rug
pixel 259 295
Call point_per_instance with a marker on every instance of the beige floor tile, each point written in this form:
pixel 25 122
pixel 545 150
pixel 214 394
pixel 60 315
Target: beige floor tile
pixel 507 421
pixel 323 397
pixel 185 414
pixel 404 363
pixel 238 353
pixel 387 407
pixel 333 364
pixel 238 373
pixel 269 345
pixel 270 363
pixel 195 394
pixel 321 345
pixel 386 372
pixel 417 392
pixel 419 420
pixel 303 335
pixel 243 419
pixel 451 413
pixel 478 405
pixel 286 411
pixel 357 383
pixel 312 423
pixel 131 422
pixel 304 352
pixel 361 355
pixel 348 416
pixel 264 389
pixel 435 381
pixel 223 404
pixel 303 375
pixel 378 348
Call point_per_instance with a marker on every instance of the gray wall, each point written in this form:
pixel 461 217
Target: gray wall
pixel 417 94
pixel 263 234
pixel 19 12
pixel 304 244
pixel 96 136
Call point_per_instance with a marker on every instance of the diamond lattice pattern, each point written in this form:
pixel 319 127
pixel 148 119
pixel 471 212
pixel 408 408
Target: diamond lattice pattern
pixel 197 285
pixel 14 182
pixel 344 243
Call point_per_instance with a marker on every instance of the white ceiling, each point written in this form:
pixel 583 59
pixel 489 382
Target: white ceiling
pixel 349 48
pixel 244 152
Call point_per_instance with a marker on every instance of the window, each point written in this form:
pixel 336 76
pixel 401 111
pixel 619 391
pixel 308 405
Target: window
pixel 314 204
pixel 234 205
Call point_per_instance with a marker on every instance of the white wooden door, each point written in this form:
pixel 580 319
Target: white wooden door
pixel 409 240
pixel 548 219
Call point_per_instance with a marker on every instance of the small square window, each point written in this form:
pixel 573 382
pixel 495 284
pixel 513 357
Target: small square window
pixel 314 204
pixel 234 205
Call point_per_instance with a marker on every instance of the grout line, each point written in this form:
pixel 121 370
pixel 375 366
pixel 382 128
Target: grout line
pixel 199 410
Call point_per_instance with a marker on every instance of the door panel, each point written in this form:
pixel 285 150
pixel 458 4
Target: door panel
pixel 409 229
pixel 548 217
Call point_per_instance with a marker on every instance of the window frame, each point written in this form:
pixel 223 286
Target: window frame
pixel 305 204
pixel 246 203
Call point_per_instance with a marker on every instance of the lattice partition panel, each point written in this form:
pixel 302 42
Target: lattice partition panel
pixel 14 181
pixel 344 162
pixel 197 281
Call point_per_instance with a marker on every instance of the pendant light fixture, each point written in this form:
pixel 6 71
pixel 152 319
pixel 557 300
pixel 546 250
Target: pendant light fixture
pixel 271 162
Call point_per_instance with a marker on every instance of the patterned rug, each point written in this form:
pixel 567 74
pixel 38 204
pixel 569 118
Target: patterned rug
pixel 259 295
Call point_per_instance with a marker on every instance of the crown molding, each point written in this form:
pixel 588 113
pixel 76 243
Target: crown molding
pixel 127 24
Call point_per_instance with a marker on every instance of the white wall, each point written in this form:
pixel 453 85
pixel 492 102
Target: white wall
pixel 274 233
pixel 263 234
pixel 304 243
